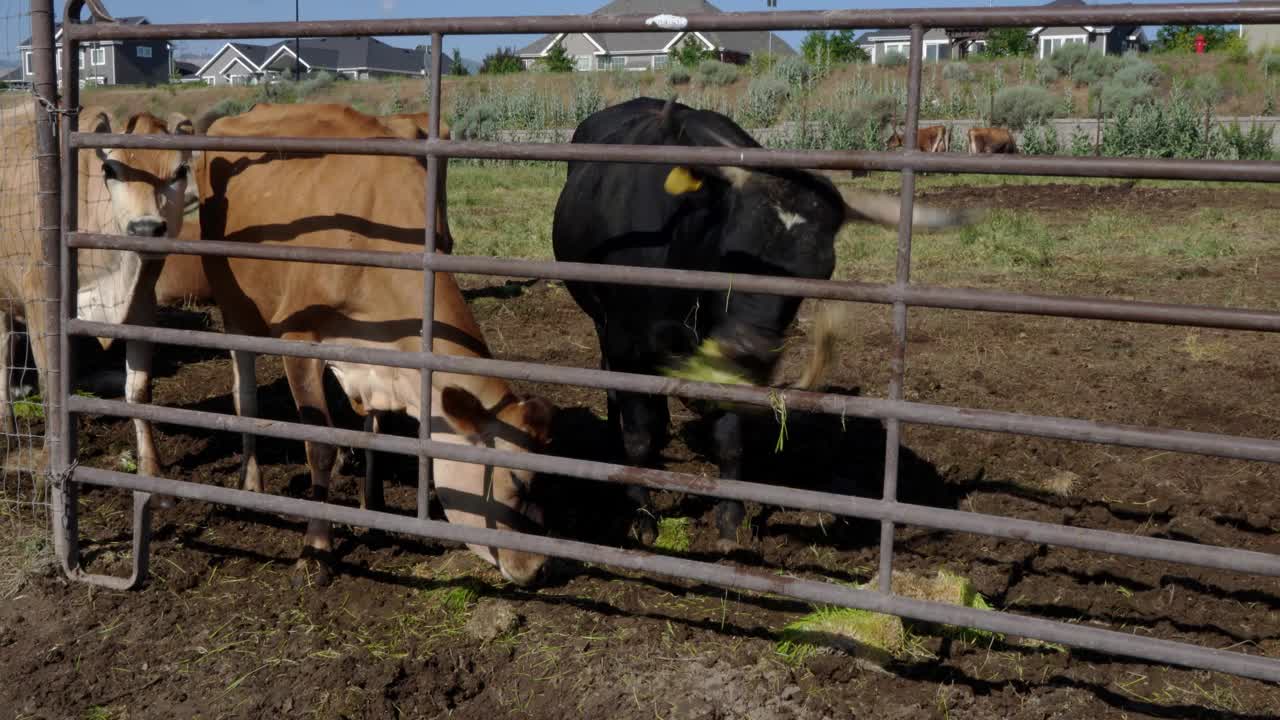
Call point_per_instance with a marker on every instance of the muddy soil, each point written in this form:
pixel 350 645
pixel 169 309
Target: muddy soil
pixel 225 630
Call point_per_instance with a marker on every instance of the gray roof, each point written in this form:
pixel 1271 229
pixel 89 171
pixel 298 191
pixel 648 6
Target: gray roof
pixel 345 52
pixel 873 35
pixel 743 42
pixel 133 20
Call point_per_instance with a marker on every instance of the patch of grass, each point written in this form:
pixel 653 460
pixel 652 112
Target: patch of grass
pixel 1012 239
pixel 860 633
pixel 29 408
pixel 673 534
pixel 1202 351
pixel 127 462
pixel 100 712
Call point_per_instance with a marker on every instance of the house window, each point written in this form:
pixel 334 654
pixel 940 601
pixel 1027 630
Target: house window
pixel 935 51
pixel 899 48
pixel 585 63
pixel 617 63
pixel 99 56
pixel 659 62
pixel 26 63
pixel 144 51
pixel 1050 45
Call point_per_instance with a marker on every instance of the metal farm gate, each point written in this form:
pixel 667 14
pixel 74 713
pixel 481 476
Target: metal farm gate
pixel 894 411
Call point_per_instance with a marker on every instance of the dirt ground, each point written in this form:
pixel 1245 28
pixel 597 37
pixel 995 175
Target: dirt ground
pixel 223 631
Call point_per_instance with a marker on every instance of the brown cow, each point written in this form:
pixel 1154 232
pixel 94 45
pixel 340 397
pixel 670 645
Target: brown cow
pixel 365 203
pixel 121 192
pixel 934 138
pixel 991 140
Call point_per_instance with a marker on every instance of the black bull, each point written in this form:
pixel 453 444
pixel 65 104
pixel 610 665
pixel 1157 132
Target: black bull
pixel 724 219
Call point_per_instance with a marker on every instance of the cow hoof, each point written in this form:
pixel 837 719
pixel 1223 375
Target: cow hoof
pixel 644 529
pixel 727 547
pixel 313 569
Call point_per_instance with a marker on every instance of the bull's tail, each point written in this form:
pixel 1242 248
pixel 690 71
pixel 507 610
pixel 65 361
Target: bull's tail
pixel 829 325
pixel 886 210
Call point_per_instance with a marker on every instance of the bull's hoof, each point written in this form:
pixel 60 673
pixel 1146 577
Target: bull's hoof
pixel 313 569
pixel 644 528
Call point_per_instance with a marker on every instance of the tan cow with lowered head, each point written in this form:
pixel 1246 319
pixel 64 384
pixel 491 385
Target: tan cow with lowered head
pixel 991 140
pixel 364 203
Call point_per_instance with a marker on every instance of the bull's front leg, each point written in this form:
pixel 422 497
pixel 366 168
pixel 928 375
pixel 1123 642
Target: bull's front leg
pixel 642 423
pixel 137 391
pixel 728 435
pixel 246 400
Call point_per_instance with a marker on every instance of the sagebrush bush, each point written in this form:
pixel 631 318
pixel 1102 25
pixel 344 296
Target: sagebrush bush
pixel 794 70
pixel 1046 73
pixel 227 107
pixel 1066 58
pixel 1022 105
pixel 957 72
pixel 480 122
pixel 1081 143
pixel 763 101
pixel 1136 71
pixel 1096 68
pixel 714 72
pixel 678 76
pixel 587 98
pixel 1271 63
pixel 1253 144
pixel 1119 98
pixel 893 59
pixel 1040 139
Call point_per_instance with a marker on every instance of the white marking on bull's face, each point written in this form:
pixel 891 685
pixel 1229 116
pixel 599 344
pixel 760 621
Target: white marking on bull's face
pixel 148 190
pixel 789 219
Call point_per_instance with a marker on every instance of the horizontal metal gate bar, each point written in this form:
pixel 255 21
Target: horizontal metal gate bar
pixel 917 295
pixel 793 20
pixel 1172 551
pixel 1229 446
pixel 1108 641
pixel 1148 168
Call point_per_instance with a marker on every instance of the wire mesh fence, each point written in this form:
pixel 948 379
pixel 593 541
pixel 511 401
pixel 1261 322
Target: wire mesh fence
pixel 24 502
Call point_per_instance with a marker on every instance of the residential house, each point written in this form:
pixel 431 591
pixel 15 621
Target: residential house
pixel 956 43
pixel 649 50
pixel 356 58
pixel 112 62
pixel 1260 38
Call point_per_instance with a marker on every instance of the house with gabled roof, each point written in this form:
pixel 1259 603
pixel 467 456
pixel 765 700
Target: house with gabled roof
pixel 649 50
pixel 111 62
pixel 356 58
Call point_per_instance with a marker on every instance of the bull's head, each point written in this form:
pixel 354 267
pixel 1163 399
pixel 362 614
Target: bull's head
pixel 894 142
pixel 494 497
pixel 778 222
pixel 147 188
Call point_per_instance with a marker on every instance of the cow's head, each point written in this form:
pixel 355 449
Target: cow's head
pixel 777 222
pixel 495 497
pixel 147 188
pixel 894 142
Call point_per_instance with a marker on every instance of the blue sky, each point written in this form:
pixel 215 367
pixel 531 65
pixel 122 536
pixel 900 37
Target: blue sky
pixel 473 47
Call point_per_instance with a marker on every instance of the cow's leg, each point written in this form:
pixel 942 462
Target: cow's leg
pixel 246 398
pixel 642 420
pixel 306 382
pixel 371 495
pixel 137 391
pixel 38 339
pixel 7 425
pixel 728 436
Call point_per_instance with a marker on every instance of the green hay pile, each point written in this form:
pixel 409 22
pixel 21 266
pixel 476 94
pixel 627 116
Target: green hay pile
pixel 708 364
pixel 673 535
pixel 877 638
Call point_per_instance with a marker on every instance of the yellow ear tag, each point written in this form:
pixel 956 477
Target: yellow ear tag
pixel 681 181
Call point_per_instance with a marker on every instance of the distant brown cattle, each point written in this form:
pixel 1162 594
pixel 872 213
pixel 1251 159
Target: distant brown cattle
pixel 928 139
pixel 991 140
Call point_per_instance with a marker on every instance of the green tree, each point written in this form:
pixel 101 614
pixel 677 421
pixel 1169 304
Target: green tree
pixel 690 53
pixel 501 62
pixel 459 67
pixel 820 47
pixel 1182 38
pixel 557 60
pixel 1009 42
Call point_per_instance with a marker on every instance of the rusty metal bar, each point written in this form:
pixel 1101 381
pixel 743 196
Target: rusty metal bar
pixel 1049 166
pixel 920 295
pixel 1228 446
pixel 1103 541
pixel 1178 14
pixel 898 354
pixel 425 467
pixel 1108 641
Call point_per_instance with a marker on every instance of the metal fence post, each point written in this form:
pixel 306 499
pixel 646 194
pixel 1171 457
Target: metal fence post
pixel 425 464
pixel 897 361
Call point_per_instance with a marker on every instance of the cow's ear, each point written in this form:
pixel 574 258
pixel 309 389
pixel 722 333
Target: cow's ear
pixel 538 415
pixel 463 411
pixel 101 124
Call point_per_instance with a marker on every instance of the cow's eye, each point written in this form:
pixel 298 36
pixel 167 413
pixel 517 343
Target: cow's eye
pixel 108 171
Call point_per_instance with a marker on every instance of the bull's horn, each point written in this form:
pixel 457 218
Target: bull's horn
pixel 886 210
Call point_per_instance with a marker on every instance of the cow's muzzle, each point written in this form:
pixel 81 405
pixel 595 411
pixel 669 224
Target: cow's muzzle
pixel 147 227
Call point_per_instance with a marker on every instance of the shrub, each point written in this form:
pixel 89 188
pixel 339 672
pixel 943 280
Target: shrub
pixel 763 101
pixel 1046 73
pixel 501 62
pixel 678 76
pixel 1040 139
pixel 1255 144
pixel 587 99
pixel 1206 90
pixel 690 53
pixel 1081 143
pixel 1271 63
pixel 1096 68
pixel 1119 99
pixel 1136 71
pixel 762 63
pixel 957 72
pixel 227 107
pixel 714 72
pixel 794 71
pixel 1068 57
pixel 557 60
pixel 893 59
pixel 1019 106
pixel 481 122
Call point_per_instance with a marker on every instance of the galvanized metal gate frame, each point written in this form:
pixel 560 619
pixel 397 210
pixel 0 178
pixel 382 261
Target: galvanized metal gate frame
pixel 901 294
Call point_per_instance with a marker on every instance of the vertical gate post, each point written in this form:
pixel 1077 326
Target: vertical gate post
pixel 425 465
pixel 46 91
pixel 897 361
